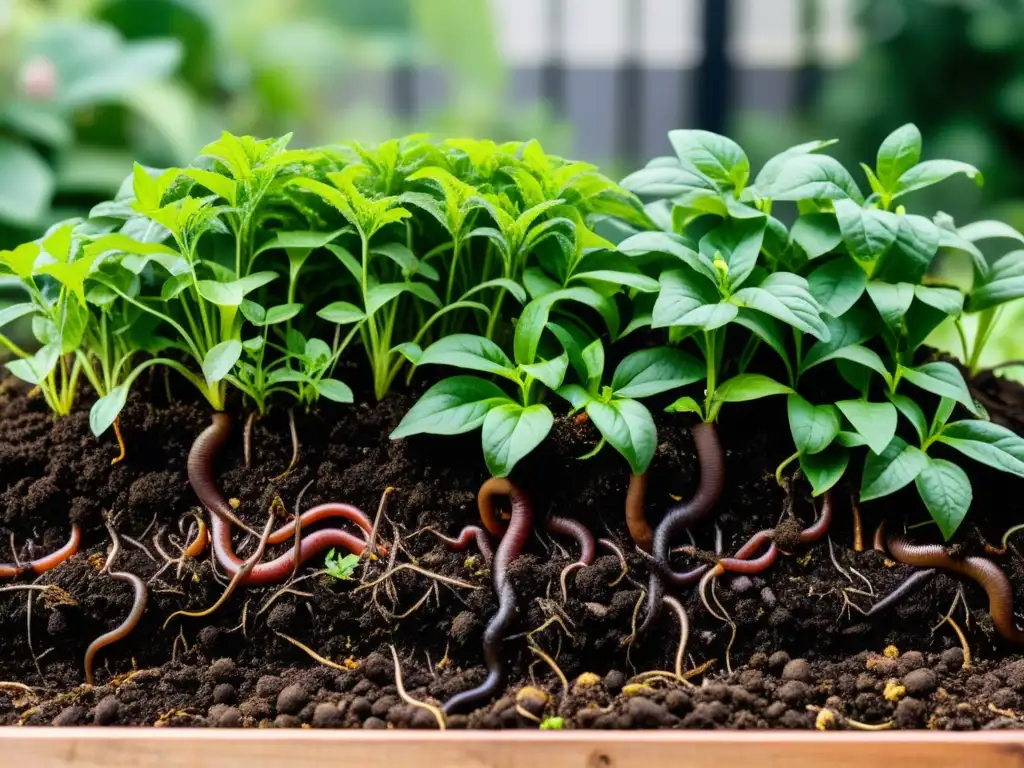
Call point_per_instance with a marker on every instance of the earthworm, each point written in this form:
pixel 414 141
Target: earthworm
pixel 469 534
pixel 247 439
pixel 636 521
pixel 712 479
pixel 134 615
pixel 989 575
pixel 322 512
pixel 495 486
pixel 200 474
pixel 120 442
pixel 910 585
pixel 820 527
pixel 879 543
pixel 198 545
pixel 50 561
pixel 740 564
pixel 583 536
pixel 511 545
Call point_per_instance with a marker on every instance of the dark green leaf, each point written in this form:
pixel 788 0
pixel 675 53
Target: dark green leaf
pixel 464 350
pixel 653 371
pixel 629 428
pixel 837 285
pixel 682 292
pixel 867 232
pixel 510 432
pixel 451 407
pixel 912 412
pixel 551 373
pixel 334 390
pixel 786 297
pixel 894 468
pixel 946 492
pixel 817 177
pixel 917 242
pixel 823 470
pixel 817 234
pixel 813 427
pixel 738 243
pixel 988 443
pixel 875 422
pixel 645 243
pixel 892 302
pixel 942 379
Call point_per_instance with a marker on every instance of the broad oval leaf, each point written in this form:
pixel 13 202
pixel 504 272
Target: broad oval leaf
pixel 816 234
pixel 629 428
pixel 682 292
pixel 867 232
pixel 334 390
pixel 942 379
pixel 911 412
pixel 875 422
pixel 814 177
pixel 787 297
pixel 823 470
pixel 738 243
pixel 650 372
pixel 106 409
pixel 813 427
pixel 946 491
pixel 644 243
pixel 749 386
pixel 1004 282
pixel 932 172
pixel 451 407
pixel 837 285
pixel 898 153
pixel 15 311
pixel 221 359
pixel 510 432
pixel 465 350
pixel 341 313
pixel 282 313
pixel 892 469
pixel 984 441
pixel 37 367
pixel 717 157
pixel 551 373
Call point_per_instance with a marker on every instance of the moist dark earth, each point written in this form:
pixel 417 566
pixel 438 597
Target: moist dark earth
pixel 801 658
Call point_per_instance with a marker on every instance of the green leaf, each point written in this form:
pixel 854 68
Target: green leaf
pixel 282 313
pixel 613 268
pixel 989 230
pixel 892 469
pixel 875 422
pixel 15 311
pixel 669 181
pixel 837 285
pixel 986 442
pixel 917 242
pixel 1004 282
pixel 220 185
pixel 253 312
pixel 629 428
pixel 534 318
pixel 464 350
pixel 942 379
pixel 899 152
pixel 221 359
pixel 22 260
pixel 768 330
pixel 771 169
pixel 511 286
pixel 379 295
pixel 653 371
pixel 823 470
pixel 749 386
pixel 816 234
pixel 686 405
pixel 716 157
pixel 932 172
pixel 806 177
pixel 335 390
pixel 892 302
pixel 577 396
pixel 36 368
pixel 409 350
pixel 27 184
pixel 551 373
pixel 592 357
pixel 510 432
pixel 106 409
pixel 341 313
pixel 451 407
pixel 788 298
pixel 946 492
pixel 682 293
pixel 350 262
pixel 912 412
pixel 867 232
pixel 813 427
pixel 738 243
pixel 645 243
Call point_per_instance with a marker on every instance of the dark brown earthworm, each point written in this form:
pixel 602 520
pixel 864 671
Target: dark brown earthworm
pixel 467 536
pixel 200 474
pixel 989 575
pixel 50 561
pixel 680 516
pixel 910 585
pixel 583 536
pixel 636 521
pixel 511 545
pixel 132 620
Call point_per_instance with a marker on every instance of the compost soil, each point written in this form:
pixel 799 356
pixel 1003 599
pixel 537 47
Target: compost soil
pixel 801 657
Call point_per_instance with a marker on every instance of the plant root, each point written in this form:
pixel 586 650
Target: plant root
pixel 450 581
pixel 471 533
pixel 614 548
pixel 948 619
pixel 371 542
pixel 237 579
pixel 435 711
pixel 311 653
pixel 295 447
pixel 684 636
pixel 120 442
pixel 858 530
pixel 247 439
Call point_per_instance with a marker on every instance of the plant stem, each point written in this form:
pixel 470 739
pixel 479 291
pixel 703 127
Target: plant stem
pixel 785 463
pixel 986 324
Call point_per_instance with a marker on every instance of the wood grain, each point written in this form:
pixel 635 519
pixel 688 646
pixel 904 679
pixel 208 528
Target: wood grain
pixel 174 748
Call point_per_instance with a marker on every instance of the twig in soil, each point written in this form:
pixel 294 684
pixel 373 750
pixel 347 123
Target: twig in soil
pixel 435 711
pixel 240 574
pixel 174 645
pixel 247 439
pixel 632 627
pixel 614 548
pixel 287 589
pixel 28 634
pixel 963 641
pixel 298 529
pixel 419 604
pixel 451 582
pixel 371 542
pixel 241 625
pixel 312 654
pixel 684 635
pixel 862 577
pixel 14 553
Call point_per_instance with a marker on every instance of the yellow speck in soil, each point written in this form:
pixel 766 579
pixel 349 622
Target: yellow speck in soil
pixel 350 663
pixel 587 680
pixel 234 503
pixel 825 720
pixel 97 561
pixel 636 689
pixel 530 695
pixel 893 691
pixel 891 652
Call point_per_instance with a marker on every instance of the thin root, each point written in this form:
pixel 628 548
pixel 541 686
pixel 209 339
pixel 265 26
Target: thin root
pixel 295 447
pixel 684 635
pixel 963 641
pixel 614 548
pixel 312 654
pixel 120 442
pixel 438 715
pixel 451 582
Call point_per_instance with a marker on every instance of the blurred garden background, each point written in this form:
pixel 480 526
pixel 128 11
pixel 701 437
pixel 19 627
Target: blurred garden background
pixel 88 86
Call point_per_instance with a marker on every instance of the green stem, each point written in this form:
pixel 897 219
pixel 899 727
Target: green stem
pixel 786 462
pixel 986 324
pixel 14 348
pixel 964 346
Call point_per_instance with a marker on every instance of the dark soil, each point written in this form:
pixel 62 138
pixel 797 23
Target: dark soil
pixel 800 658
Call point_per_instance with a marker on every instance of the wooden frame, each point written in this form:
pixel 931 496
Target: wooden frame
pixel 185 748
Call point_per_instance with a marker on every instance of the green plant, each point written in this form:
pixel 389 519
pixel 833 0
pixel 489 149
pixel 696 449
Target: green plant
pixel 341 567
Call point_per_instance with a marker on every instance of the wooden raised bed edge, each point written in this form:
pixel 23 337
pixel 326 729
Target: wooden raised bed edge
pixel 189 748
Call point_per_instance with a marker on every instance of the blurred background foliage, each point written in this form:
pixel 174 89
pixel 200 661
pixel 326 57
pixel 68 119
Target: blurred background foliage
pixel 87 86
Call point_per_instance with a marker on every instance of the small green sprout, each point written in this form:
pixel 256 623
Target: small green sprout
pixel 341 567
pixel 553 724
